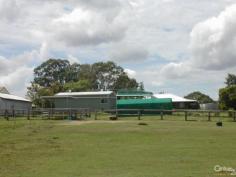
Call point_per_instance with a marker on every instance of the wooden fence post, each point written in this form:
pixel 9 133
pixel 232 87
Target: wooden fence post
pixel 6 115
pixel 161 115
pixel 95 115
pixel 139 115
pixel 234 117
pixel 116 113
pixel 186 116
pixel 209 116
pixel 28 114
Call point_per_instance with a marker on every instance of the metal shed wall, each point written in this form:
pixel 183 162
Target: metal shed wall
pixel 154 103
pixel 100 102
pixel 6 104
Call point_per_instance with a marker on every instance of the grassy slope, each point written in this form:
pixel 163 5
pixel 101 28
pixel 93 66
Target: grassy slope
pixel 163 148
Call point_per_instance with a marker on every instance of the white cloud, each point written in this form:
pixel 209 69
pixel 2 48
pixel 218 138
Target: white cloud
pixel 9 10
pixel 17 81
pixel 72 59
pixel 153 32
pixel 213 41
pixel 131 73
pixel 17 71
pixel 124 52
pixel 87 27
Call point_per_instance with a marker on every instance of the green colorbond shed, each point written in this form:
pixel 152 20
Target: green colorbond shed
pixel 153 103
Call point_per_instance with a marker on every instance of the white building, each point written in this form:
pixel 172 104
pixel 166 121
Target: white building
pixel 179 102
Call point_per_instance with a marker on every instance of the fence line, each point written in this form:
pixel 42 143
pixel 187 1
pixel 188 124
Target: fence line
pixel 82 113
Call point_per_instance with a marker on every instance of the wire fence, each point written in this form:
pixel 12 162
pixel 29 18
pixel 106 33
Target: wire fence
pixel 116 114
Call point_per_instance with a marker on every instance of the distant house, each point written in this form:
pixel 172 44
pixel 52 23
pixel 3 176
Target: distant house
pixel 100 100
pixel 179 102
pixel 12 102
pixel 4 90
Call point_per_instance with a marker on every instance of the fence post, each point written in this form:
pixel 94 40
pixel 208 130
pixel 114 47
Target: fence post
pixel 139 115
pixel 116 113
pixel 209 116
pixel 95 115
pixel 28 114
pixel 186 116
pixel 161 115
pixel 6 115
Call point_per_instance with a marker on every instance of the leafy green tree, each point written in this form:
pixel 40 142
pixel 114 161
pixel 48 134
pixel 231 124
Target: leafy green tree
pixel 86 72
pixel 51 71
pixel 124 82
pixel 81 85
pixel 230 80
pixel 33 95
pixel 227 97
pixel 35 92
pixel 106 74
pixel 200 97
pixel 72 73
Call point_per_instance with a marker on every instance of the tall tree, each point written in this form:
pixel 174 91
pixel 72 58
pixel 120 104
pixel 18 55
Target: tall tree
pixel 81 85
pixel 106 74
pixel 230 80
pixel 51 71
pixel 200 97
pixel 72 73
pixel 227 97
pixel 124 82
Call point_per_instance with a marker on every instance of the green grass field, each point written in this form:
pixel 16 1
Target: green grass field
pixel 46 148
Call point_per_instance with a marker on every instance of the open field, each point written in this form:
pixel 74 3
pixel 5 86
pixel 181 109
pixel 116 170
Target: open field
pixel 47 148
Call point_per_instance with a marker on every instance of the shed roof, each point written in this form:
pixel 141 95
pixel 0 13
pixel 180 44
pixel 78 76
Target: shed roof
pixel 12 97
pixel 66 94
pixel 174 98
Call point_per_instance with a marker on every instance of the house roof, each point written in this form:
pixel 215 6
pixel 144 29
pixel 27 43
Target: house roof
pixel 174 98
pixel 66 94
pixel 12 97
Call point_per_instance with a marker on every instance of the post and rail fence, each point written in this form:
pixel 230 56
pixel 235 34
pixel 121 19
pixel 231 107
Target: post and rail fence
pixel 114 114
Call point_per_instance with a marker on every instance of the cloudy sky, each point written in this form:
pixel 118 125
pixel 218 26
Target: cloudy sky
pixel 176 46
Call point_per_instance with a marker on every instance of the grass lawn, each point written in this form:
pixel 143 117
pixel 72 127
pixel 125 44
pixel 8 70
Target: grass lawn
pixel 46 148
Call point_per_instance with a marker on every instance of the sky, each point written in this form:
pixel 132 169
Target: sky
pixel 175 46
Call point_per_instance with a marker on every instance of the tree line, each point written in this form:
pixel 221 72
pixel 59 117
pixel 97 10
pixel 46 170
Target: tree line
pixel 57 75
pixel 227 95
